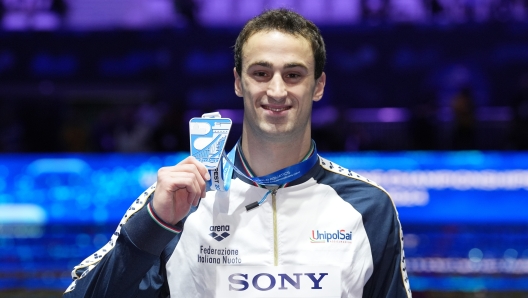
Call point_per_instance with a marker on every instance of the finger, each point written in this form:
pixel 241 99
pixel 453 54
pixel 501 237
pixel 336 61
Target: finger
pixel 187 182
pixel 192 164
pixel 184 175
pixel 186 193
pixel 195 189
pixel 181 171
pixel 179 185
pixel 199 187
pixel 201 168
pixel 172 178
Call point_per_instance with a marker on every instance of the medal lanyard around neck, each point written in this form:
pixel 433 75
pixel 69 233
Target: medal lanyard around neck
pixel 221 177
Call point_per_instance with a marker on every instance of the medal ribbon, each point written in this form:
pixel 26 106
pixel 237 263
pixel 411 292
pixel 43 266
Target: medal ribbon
pixel 221 176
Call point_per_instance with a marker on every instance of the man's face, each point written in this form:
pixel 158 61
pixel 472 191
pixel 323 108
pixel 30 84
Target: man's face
pixel 278 85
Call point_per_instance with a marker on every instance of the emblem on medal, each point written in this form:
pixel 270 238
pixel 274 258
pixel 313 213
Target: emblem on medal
pixel 208 136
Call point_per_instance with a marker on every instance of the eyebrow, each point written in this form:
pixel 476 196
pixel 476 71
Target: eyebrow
pixel 287 65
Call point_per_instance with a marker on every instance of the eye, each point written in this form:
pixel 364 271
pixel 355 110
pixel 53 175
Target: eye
pixel 259 73
pixel 293 77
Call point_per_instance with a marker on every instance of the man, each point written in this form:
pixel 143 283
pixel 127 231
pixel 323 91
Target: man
pixel 323 231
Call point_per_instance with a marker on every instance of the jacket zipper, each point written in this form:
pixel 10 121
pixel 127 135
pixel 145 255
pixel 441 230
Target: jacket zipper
pixel 275 237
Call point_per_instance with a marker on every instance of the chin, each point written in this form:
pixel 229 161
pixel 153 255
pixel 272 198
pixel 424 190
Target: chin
pixel 277 134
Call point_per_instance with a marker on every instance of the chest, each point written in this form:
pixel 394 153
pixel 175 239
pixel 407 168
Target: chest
pixel 300 228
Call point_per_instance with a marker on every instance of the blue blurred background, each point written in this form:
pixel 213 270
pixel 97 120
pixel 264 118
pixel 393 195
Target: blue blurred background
pixel 427 97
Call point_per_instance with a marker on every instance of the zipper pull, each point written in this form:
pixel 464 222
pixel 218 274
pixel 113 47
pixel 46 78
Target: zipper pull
pixel 272 189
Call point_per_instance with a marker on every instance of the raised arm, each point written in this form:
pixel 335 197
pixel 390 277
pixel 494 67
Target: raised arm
pixel 132 263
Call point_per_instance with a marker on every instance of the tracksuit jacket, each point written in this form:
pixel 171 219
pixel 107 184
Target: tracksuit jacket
pixel 330 233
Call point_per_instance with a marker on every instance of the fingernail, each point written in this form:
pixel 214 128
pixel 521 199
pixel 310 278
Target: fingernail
pixel 207 176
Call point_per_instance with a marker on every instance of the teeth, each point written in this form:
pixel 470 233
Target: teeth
pixel 277 109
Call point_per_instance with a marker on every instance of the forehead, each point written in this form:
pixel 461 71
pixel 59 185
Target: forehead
pixel 277 47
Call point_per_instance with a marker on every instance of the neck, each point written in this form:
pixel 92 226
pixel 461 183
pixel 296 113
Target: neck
pixel 265 157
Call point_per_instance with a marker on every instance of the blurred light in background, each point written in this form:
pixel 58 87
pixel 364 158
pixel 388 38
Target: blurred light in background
pixel 463 213
pixel 122 76
pixel 134 14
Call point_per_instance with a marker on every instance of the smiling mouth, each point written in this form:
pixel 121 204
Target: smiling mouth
pixel 276 109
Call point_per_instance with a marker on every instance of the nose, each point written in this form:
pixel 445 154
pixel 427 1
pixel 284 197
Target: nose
pixel 277 88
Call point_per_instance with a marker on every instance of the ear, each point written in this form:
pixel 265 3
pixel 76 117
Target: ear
pixel 238 83
pixel 319 87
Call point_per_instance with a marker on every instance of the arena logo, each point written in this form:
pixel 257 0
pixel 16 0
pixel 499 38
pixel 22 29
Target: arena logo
pixel 221 228
pixel 339 236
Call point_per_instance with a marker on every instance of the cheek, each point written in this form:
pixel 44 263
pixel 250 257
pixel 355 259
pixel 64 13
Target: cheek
pixel 254 90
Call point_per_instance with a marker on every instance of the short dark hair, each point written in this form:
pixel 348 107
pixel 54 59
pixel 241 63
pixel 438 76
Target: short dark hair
pixel 285 21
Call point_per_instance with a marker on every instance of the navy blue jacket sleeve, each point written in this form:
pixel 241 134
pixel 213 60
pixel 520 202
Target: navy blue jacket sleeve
pixel 133 267
pixel 389 278
pixel 380 219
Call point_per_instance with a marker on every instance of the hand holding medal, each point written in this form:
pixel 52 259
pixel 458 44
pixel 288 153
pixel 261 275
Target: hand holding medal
pixel 178 188
pixel 181 186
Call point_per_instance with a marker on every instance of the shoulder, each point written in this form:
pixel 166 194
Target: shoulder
pixel 332 167
pixel 364 194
